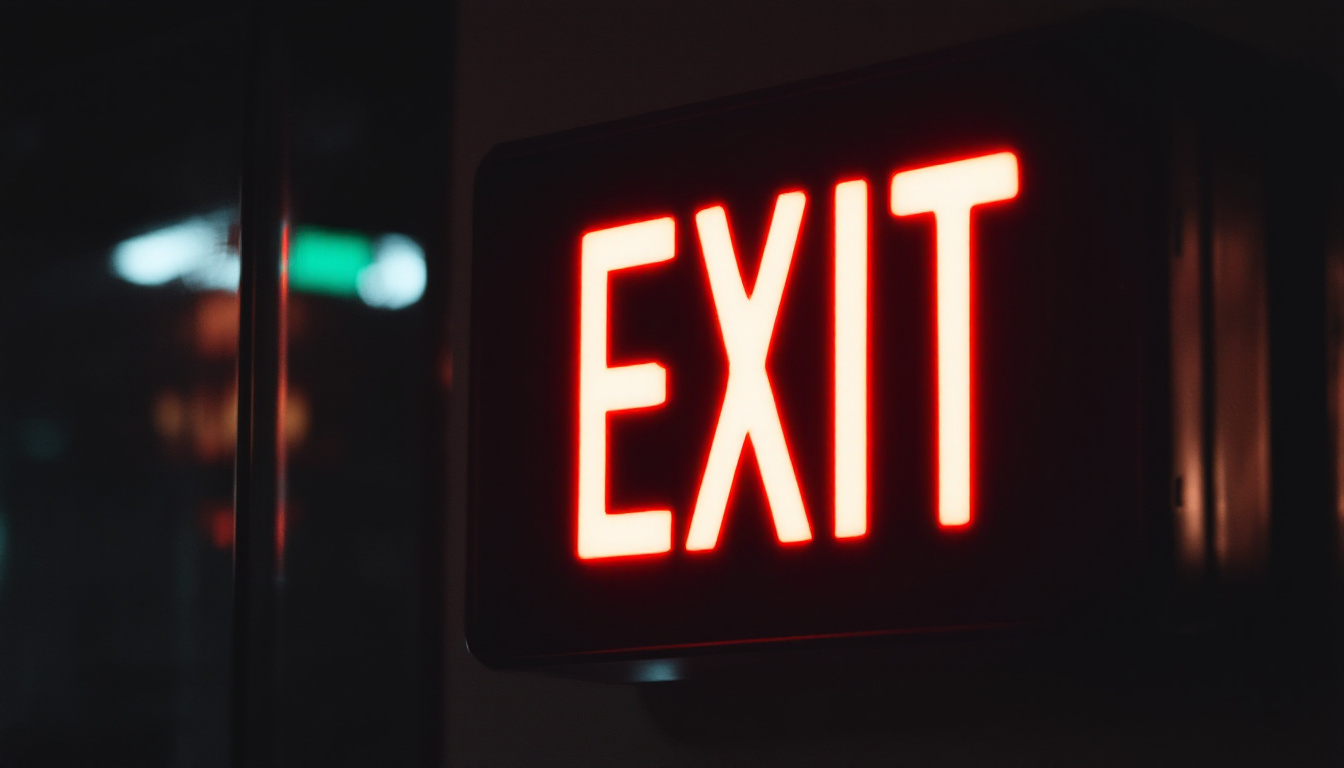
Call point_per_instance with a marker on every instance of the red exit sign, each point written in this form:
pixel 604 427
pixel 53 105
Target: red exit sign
pixel 865 359
pixel 977 343
pixel 746 318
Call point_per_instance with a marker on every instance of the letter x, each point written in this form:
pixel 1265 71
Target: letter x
pixel 747 324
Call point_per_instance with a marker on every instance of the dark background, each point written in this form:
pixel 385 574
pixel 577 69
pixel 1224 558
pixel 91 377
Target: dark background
pixel 114 561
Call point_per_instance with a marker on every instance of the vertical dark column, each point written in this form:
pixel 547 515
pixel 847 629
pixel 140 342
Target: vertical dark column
pixel 259 471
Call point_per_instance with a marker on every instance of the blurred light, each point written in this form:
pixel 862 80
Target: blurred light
pixel 657 671
pixel 298 416
pixel 219 272
pixel 327 261
pixel 281 528
pixel 387 272
pixel 195 251
pixel 169 417
pixel 209 422
pixel 217 520
pixel 216 325
pixel 396 278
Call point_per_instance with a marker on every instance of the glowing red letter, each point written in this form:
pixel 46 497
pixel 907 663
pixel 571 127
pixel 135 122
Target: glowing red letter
pixel 747 323
pixel 603 389
pixel 851 359
pixel 949 192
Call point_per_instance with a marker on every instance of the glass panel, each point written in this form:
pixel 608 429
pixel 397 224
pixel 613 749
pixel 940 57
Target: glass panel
pixel 120 145
pixel 118 330
pixel 370 140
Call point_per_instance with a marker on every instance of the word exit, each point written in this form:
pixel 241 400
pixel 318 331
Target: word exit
pixel 746 322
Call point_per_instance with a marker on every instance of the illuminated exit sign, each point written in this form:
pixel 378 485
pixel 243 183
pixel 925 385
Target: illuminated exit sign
pixel 746 319
pixel 899 352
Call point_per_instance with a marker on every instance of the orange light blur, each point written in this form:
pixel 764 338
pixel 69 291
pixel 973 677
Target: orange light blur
pixel 603 389
pixel 949 191
pixel 216 325
pixel 851 359
pixel 281 403
pixel 217 519
pixel 298 417
pixel 747 324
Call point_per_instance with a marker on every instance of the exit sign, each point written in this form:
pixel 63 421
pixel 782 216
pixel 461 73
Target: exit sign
pixel 746 320
pixel 892 353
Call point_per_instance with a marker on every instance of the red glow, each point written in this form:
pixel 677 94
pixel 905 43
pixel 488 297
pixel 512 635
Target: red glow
pixel 603 389
pixel 281 530
pixel 218 520
pixel 949 191
pixel 851 359
pixel 747 324
pixel 281 400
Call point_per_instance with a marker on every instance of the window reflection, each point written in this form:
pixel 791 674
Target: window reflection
pixel 119 315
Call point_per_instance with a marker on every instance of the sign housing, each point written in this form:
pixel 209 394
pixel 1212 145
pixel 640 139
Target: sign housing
pixel 885 354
